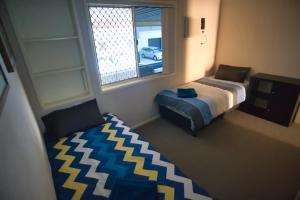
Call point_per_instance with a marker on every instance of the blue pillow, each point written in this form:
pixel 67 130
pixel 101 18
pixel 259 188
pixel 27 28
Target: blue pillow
pixel 186 93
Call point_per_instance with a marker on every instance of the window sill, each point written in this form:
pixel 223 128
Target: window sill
pixel 132 82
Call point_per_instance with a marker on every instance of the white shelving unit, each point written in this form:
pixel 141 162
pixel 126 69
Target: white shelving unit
pixel 57 71
pixel 52 50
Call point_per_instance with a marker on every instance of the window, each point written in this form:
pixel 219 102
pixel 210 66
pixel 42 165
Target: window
pixel 149 40
pixel 128 42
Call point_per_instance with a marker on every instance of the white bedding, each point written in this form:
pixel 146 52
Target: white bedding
pixel 218 99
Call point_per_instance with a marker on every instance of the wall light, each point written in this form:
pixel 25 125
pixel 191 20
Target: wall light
pixel 203 37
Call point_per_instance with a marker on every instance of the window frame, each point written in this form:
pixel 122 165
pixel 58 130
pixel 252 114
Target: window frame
pixel 169 17
pixel 134 79
pixel 138 79
pixel 94 47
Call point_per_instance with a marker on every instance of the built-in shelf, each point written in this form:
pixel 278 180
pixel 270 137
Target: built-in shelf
pixel 62 102
pixel 48 39
pixel 263 95
pixel 53 52
pixel 60 70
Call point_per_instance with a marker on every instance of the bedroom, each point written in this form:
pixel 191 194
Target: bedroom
pixel 256 34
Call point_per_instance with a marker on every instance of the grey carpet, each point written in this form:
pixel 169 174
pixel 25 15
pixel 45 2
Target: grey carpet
pixel 234 158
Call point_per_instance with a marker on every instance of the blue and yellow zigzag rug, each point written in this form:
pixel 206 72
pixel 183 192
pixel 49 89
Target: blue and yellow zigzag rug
pixel 87 164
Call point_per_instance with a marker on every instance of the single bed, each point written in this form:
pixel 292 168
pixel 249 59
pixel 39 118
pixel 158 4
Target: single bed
pixel 88 164
pixel 215 97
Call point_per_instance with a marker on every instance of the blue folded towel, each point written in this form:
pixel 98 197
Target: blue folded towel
pixel 186 93
pixel 125 189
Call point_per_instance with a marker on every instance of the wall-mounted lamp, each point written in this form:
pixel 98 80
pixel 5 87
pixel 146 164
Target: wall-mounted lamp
pixel 203 37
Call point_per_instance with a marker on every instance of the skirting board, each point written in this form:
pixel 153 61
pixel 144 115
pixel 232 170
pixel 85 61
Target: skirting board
pixel 145 122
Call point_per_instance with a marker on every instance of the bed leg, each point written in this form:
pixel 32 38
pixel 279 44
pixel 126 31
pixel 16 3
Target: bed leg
pixel 194 133
pixel 222 116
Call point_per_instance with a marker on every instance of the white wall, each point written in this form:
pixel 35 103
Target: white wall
pixel 199 59
pixel 135 104
pixel 24 169
pixel 262 34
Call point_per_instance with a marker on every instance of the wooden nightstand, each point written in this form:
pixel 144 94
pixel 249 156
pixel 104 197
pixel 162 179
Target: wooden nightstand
pixel 274 98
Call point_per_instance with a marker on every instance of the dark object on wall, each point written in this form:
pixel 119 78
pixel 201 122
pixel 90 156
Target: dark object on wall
pixel 3 88
pixel 232 73
pixel 274 98
pixel 202 24
pixel 6 50
pixel 70 120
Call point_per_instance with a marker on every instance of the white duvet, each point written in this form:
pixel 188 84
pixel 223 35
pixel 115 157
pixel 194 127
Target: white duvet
pixel 219 100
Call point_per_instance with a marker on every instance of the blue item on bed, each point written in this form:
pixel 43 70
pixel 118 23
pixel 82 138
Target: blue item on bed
pixel 127 189
pixel 186 93
pixel 89 165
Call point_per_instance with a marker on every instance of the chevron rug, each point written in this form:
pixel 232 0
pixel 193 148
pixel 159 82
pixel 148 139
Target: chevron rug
pixel 87 164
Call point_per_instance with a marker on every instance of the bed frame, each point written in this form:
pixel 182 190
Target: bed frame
pixel 180 120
